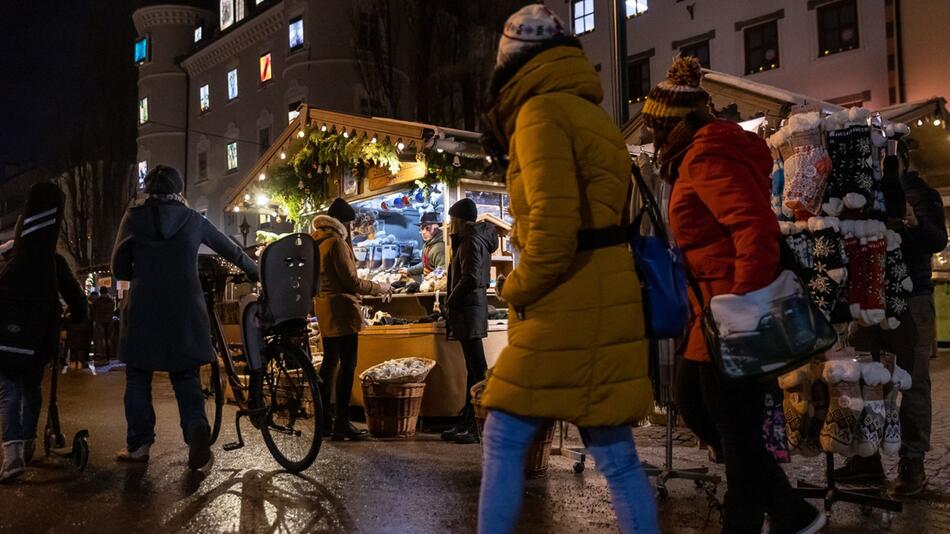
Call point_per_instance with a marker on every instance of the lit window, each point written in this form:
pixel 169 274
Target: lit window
pixel 141 50
pixel 232 156
pixel 699 51
pixel 232 84
pixel 638 80
pixel 293 111
pixel 258 2
pixel 204 98
pixel 265 68
pixel 203 164
pixel 198 32
pixel 238 10
pixel 296 33
pixel 837 27
pixel 636 7
pixel 143 110
pixel 583 16
pixel 143 171
pixel 227 13
pixel 761 47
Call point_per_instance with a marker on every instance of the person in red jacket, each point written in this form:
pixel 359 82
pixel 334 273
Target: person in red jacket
pixel 721 218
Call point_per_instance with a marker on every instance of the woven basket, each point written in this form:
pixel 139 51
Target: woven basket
pixel 392 410
pixel 536 462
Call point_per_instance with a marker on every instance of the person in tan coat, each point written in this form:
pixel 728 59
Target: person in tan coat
pixel 576 347
pixel 337 307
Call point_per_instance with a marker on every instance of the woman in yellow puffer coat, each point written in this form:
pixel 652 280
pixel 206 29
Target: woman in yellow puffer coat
pixel 576 347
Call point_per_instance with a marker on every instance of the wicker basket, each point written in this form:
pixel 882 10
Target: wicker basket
pixel 392 410
pixel 536 464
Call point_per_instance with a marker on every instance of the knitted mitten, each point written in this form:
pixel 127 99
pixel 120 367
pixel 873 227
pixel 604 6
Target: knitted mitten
pixel 871 427
pixel 900 381
pixel 799 411
pixel 897 285
pixel 806 171
pixel 845 406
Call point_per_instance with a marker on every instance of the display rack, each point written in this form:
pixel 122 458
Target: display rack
pixel 867 498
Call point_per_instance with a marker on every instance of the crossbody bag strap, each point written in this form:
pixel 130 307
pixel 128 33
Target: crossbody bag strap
pixel 650 208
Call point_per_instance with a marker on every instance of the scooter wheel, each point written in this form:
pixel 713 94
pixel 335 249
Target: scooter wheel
pixel 47 440
pixel 81 453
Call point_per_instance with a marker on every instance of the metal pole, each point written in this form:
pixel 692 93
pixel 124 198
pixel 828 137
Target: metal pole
pixel 620 51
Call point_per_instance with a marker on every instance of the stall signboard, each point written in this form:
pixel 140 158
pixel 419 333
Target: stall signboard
pixel 379 178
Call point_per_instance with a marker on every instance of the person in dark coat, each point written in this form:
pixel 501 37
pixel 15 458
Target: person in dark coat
pixel 469 276
pixel 923 233
pixel 164 321
pixel 32 280
pixel 337 307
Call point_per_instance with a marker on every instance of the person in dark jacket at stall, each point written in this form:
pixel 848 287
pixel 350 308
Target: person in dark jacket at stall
pixel 469 275
pixel 923 233
pixel 33 278
pixel 338 311
pixel 165 324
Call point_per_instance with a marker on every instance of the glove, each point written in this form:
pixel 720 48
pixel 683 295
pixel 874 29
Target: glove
pixel 381 288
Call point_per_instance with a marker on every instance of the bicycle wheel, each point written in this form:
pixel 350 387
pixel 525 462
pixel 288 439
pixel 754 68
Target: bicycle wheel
pixel 293 414
pixel 211 388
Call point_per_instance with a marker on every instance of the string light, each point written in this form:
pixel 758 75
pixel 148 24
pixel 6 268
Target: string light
pixel 439 150
pixel 920 122
pixel 262 177
pixel 373 140
pixel 283 155
pixel 400 145
pixel 300 134
pixel 323 128
pixel 936 122
pixel 346 135
pixel 237 209
pixel 262 199
pixel 247 197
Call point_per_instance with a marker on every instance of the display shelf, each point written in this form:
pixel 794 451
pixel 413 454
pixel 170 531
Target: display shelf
pixel 507 259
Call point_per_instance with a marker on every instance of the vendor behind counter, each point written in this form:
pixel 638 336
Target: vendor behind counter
pixel 433 252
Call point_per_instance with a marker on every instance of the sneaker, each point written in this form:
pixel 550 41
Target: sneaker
pixel 13 463
pixel 858 470
pixel 344 430
pixel 813 520
pixel 136 456
pixel 911 478
pixel 199 446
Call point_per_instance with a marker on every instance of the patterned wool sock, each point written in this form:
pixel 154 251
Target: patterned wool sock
pixel 873 418
pixel 845 406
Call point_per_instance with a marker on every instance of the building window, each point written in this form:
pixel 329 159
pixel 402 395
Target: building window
pixel 143 110
pixel 141 53
pixel 227 13
pixel 263 140
pixel 238 10
pixel 638 80
pixel 198 33
pixel 232 84
pixel 203 165
pixel 204 98
pixel 265 68
pixel 143 171
pixel 258 2
pixel 699 51
pixel 583 16
pixel 232 156
pixel 838 27
pixel 296 33
pixel 636 7
pixel 761 47
pixel 293 111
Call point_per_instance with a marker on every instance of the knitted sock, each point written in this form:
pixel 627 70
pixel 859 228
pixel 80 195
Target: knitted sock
pixel 810 444
pixel 838 149
pixel 898 285
pixel 871 428
pixel 845 406
pixel 797 404
pixel 855 165
pixel 857 269
pixel 900 381
pixel 805 178
pixel 873 300
pixel 829 271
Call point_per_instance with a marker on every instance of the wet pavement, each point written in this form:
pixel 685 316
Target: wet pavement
pixel 393 486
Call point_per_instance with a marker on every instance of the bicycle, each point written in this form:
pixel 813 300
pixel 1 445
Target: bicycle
pixel 272 380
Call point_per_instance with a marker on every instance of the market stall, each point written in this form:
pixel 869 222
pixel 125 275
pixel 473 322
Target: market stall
pixel 396 175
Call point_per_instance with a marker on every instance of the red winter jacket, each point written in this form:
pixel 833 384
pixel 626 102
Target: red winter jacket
pixel 721 217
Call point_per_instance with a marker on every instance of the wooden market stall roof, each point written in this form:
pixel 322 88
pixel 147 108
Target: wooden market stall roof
pixel 414 136
pixel 929 130
pixel 750 99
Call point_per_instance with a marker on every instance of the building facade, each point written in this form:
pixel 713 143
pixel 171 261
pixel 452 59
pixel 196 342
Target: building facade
pixel 218 82
pixel 846 52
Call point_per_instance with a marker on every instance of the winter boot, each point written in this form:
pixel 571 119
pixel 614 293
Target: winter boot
pixel 13 463
pixel 911 478
pixel 469 436
pixel 199 446
pixel 468 416
pixel 858 470
pixel 344 430
pixel 136 456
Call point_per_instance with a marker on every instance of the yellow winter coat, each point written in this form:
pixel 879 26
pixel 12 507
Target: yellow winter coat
pixel 576 348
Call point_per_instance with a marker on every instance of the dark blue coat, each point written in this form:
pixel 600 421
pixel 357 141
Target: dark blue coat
pixel 469 278
pixel 164 321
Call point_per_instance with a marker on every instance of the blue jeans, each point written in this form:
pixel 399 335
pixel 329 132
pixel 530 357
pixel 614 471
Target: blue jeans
pixel 140 415
pixel 506 442
pixel 20 402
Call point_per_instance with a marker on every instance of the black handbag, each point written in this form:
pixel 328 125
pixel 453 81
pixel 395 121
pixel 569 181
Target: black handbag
pixel 779 329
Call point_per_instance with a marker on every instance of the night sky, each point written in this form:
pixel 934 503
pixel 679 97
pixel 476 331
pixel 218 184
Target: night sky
pixel 45 82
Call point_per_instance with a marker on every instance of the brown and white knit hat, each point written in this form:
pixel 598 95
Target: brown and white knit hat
pixel 527 27
pixel 676 96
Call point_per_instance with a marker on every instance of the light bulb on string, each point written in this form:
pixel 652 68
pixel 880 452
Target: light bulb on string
pixel 237 209
pixel 400 145
pixel 346 134
pixel 323 128
pixel 937 122
pixel 262 199
pixel 373 140
pixel 920 122
pixel 247 197
pixel 440 150
pixel 262 177
pixel 300 134
pixel 283 155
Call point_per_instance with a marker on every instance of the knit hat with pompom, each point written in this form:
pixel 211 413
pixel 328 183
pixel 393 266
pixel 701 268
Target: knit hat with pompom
pixel 676 96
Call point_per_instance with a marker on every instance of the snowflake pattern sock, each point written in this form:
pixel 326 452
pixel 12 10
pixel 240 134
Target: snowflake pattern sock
pixel 900 381
pixel 828 266
pixel 898 284
pixel 871 428
pixel 845 405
